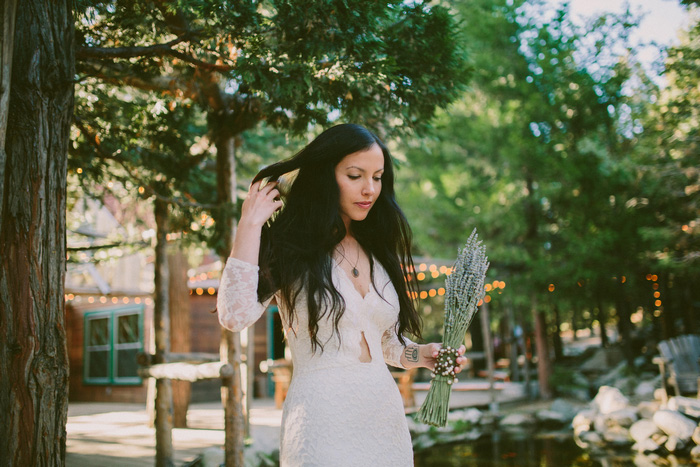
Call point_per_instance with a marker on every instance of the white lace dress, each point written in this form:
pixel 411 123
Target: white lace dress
pixel 339 411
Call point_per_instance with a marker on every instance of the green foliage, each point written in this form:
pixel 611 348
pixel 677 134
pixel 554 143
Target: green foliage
pixel 540 155
pixel 164 86
pixel 389 64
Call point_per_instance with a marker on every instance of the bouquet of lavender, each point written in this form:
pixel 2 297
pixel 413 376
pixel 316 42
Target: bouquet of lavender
pixel 464 290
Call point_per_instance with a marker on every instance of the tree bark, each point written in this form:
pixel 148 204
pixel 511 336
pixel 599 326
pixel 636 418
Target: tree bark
pixel 624 325
pixel 602 319
pixel 556 336
pixel 543 361
pixel 161 326
pixel 8 13
pixel 33 354
pixel 179 300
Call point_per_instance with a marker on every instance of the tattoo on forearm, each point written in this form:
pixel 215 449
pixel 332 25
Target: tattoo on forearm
pixel 411 353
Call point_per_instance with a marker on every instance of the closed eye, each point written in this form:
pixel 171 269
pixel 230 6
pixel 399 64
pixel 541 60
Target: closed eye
pixel 353 177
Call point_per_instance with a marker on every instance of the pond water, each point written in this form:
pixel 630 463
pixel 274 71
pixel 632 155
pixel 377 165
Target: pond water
pixel 524 449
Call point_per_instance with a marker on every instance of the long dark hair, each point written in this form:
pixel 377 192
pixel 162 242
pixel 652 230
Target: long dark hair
pixel 297 244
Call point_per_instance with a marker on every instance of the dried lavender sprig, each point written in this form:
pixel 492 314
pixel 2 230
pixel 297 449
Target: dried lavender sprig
pixel 465 289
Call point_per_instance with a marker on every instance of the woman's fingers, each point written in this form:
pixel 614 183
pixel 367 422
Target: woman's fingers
pixel 461 360
pixel 261 202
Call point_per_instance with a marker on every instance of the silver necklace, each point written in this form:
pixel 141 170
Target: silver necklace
pixel 355 272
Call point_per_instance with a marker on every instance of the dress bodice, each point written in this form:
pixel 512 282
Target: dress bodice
pixel 372 317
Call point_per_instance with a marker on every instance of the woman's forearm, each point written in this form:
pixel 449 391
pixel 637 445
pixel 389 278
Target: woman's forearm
pixel 411 357
pixel 246 244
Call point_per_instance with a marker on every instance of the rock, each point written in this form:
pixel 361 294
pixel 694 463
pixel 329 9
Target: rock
pixel 660 394
pixel 212 457
pixel 613 376
pixel 696 435
pixel 695 454
pixel 659 438
pixel 674 444
pixel 550 417
pixel 675 424
pixel 609 400
pixel 617 436
pixel 471 416
pixel 596 363
pixel 643 429
pixel 648 460
pixel 645 389
pixel 624 417
pixel 646 445
pixel 584 418
pixel 646 409
pixel 563 407
pixel 588 439
pixel 517 419
pixel 685 405
pixel 600 423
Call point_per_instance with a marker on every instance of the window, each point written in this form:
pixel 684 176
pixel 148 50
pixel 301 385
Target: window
pixel 113 339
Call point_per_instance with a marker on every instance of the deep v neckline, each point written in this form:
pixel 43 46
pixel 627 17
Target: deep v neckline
pixel 351 283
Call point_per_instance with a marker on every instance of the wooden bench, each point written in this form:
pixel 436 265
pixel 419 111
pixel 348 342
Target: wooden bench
pixel 679 364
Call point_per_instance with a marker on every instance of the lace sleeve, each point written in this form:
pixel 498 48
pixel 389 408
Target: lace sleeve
pixel 237 300
pixel 392 348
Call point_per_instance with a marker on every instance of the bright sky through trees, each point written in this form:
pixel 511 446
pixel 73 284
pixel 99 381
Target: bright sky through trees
pixel 661 22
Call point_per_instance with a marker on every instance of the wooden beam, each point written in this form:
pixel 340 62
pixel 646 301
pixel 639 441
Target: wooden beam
pixel 147 359
pixel 186 371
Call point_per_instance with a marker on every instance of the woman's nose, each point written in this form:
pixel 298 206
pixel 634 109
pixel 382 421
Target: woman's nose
pixel 368 188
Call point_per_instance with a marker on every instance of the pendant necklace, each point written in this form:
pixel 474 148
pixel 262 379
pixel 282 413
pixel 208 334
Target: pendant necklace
pixel 355 272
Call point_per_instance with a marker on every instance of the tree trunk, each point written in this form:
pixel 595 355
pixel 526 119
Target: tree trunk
pixel 179 300
pixel 624 326
pixel 602 318
pixel 231 390
pixel 556 336
pixel 33 354
pixel 543 363
pixel 576 316
pixel 513 339
pixel 161 327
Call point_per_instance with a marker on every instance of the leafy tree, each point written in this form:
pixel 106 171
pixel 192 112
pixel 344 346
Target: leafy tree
pixel 670 190
pixel 535 155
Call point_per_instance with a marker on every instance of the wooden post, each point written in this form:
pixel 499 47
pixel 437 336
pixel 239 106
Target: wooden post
pixel 161 326
pixel 488 347
pixel 179 307
pixel 231 390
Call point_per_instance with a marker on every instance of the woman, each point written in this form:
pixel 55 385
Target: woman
pixel 332 250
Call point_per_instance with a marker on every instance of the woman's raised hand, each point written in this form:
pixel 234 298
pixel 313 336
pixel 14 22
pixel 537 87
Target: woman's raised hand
pixel 260 204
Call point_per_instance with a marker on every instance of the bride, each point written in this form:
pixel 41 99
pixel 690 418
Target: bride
pixel 332 249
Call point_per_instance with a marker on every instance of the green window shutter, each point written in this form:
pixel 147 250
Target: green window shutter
pixel 113 339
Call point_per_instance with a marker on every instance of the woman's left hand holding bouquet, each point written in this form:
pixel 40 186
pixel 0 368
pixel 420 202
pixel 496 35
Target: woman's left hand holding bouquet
pixel 425 356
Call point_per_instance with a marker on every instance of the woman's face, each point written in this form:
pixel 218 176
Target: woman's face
pixel 359 177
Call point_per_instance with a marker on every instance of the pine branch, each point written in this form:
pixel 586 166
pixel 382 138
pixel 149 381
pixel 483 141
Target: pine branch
pixel 159 50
